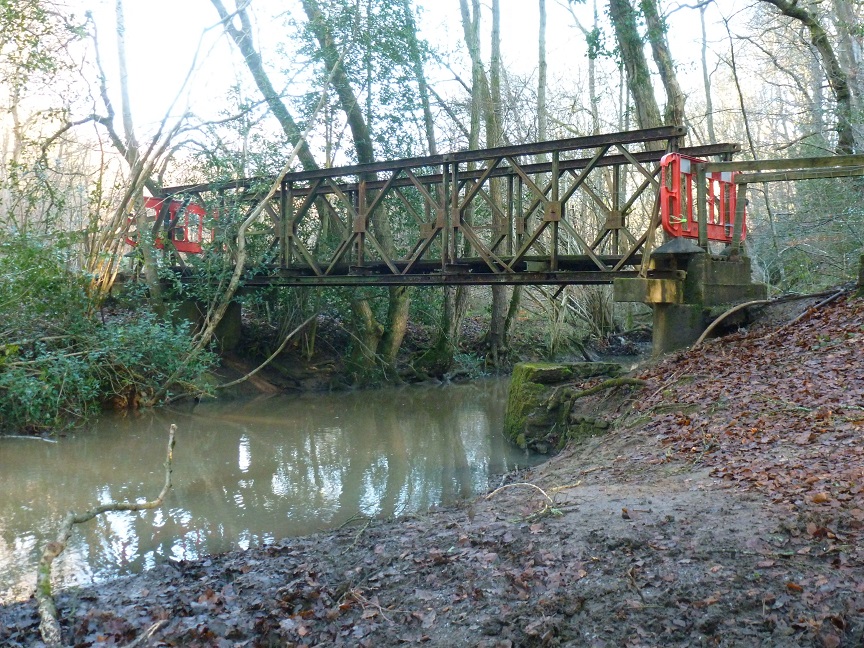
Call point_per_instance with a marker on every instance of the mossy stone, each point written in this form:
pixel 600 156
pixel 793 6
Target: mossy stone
pixel 533 410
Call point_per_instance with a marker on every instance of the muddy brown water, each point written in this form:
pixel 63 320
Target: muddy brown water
pixel 246 473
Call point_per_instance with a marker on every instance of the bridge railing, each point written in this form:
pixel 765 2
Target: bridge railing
pixel 577 210
pixel 762 171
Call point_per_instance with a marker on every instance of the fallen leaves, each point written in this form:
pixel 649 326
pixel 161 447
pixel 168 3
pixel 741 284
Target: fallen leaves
pixel 781 415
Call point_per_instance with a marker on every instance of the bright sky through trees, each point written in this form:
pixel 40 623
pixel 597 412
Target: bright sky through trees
pixel 163 35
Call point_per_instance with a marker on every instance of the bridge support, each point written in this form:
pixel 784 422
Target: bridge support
pixel 227 332
pixel 682 307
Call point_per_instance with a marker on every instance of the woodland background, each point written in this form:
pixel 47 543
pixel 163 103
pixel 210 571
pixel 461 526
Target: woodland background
pixel 238 84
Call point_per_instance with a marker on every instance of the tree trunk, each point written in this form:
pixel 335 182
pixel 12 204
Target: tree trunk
pixel 541 75
pixel 838 79
pixel 363 363
pixel 675 98
pixel 133 158
pixel 420 76
pixel 242 38
pixel 398 307
pixel 706 80
pixel 497 338
pixel 623 18
pixel 391 334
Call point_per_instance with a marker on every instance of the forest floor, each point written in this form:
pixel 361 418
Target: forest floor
pixel 725 508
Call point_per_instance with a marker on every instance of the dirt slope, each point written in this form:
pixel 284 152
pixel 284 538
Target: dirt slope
pixel 726 509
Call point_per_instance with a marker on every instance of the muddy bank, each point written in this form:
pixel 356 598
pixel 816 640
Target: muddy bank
pixel 634 553
pixel 724 508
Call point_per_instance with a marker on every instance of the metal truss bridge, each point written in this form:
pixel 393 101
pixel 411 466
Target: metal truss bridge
pixel 570 211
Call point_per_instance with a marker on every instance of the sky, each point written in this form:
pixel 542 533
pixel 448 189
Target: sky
pixel 166 38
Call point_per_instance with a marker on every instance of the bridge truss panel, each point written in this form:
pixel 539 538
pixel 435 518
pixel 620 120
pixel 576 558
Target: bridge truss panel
pixel 566 211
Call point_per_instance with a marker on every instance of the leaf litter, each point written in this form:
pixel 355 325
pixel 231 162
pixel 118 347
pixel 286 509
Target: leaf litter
pixel 726 508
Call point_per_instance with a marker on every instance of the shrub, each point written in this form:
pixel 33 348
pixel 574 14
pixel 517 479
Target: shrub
pixel 59 362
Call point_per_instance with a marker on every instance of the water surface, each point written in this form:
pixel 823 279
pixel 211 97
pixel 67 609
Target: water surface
pixel 245 473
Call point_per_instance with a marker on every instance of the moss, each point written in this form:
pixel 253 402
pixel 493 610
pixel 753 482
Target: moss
pixel 539 405
pixel 525 397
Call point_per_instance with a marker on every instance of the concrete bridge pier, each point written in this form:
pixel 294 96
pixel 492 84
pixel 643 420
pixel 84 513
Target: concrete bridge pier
pixel 227 332
pixel 683 307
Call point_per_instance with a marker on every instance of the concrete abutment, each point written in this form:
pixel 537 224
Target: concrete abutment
pixel 682 307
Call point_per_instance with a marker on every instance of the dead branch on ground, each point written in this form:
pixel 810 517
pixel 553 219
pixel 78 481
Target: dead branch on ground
pixel 49 625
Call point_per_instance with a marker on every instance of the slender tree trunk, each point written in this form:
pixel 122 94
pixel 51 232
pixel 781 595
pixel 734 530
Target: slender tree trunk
pixel 368 332
pixel 541 75
pixel 592 67
pixel 420 76
pixel 390 336
pixel 133 158
pixel 623 18
pixel 838 79
pixel 242 38
pixel 706 80
pixel 497 338
pixel 675 98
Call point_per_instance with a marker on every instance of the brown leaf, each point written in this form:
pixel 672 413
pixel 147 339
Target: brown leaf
pixel 830 640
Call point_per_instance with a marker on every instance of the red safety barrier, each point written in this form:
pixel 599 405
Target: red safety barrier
pixel 188 233
pixel 678 200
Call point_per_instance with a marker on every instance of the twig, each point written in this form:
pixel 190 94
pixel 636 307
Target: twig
pixel 668 382
pixel 153 629
pixel 272 356
pixel 632 578
pixel 360 533
pixel 514 485
pixel 49 625
pixel 548 508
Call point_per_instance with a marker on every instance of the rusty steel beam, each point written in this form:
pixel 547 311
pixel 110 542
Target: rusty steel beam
pixel 559 278
pixel 569 144
pixel 724 149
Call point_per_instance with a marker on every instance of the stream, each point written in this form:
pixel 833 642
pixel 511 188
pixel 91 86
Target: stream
pixel 245 473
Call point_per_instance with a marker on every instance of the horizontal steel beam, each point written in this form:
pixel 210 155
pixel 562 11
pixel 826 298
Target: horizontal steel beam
pixel 540 167
pixel 823 162
pixel 460 279
pixel 561 145
pixel 803 174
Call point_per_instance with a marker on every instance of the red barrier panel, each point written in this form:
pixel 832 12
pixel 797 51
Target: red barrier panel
pixel 678 200
pixel 188 233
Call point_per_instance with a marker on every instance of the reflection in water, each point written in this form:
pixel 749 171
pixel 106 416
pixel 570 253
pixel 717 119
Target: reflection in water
pixel 245 473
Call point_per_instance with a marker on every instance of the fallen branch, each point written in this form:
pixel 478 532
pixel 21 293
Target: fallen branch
pixel 562 393
pixel 731 311
pixel 49 625
pixel 548 509
pixel 807 312
pixel 272 356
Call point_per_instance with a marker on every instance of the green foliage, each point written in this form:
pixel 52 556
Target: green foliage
pixel 380 39
pixel 59 361
pixel 30 32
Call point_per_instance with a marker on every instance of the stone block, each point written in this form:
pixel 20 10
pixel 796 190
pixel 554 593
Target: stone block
pixel 712 281
pixel 677 326
pixel 648 291
pixel 536 416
